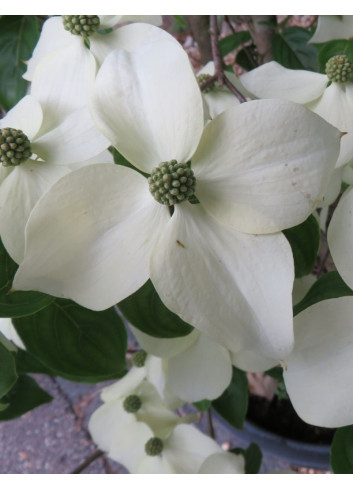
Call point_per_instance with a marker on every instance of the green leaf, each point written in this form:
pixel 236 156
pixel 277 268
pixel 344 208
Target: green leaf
pixel 247 58
pixel 253 458
pixel 24 396
pixel 19 303
pixel 305 241
pixel 119 159
pixel 18 36
pixel 8 375
pixel 290 48
pixel 342 451
pixel 75 342
pixel 233 41
pixel 332 48
pixel 26 363
pixel 329 286
pixel 233 403
pixel 146 312
pixel 202 405
pixel 276 373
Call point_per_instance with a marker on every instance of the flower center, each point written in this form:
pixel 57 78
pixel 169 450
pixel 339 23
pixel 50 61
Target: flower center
pixel 81 25
pixel 132 403
pixel 154 446
pixel 139 358
pixel 339 69
pixel 171 182
pixel 15 147
pixel 202 79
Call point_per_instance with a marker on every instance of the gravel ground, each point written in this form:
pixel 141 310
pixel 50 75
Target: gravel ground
pixel 53 438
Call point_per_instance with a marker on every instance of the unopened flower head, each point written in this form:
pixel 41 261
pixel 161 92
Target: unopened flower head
pixel 171 182
pixel 132 403
pixel 15 147
pixel 154 446
pixel 339 69
pixel 81 25
pixel 139 358
pixel 204 77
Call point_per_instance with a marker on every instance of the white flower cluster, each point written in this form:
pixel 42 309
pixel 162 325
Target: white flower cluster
pixel 83 228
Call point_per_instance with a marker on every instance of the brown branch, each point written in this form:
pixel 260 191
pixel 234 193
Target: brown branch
pixel 216 54
pixel 87 462
pixel 219 74
pixel 245 48
pixel 210 423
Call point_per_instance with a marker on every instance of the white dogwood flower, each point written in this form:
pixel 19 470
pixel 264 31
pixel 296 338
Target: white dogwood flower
pixel 33 157
pixel 183 451
pixel 340 237
pixel 195 366
pixel 62 68
pixel 330 27
pixel 223 463
pixel 317 373
pixel 329 95
pixel 222 265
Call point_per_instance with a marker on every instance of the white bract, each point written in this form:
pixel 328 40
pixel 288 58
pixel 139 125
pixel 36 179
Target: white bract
pixel 10 333
pixel 195 366
pixel 332 101
pixel 217 98
pixel 340 237
pixel 330 27
pixel 222 265
pixel 223 463
pixel 181 452
pixel 54 153
pixel 62 69
pixel 317 373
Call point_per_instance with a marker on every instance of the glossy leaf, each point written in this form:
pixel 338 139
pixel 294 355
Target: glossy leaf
pixel 146 312
pixel 290 48
pixel 8 375
pixel 233 41
pixel 342 451
pixel 253 458
pixel 332 48
pixel 305 241
pixel 18 36
pixel 232 405
pixel 75 342
pixel 329 286
pixel 24 396
pixel 202 405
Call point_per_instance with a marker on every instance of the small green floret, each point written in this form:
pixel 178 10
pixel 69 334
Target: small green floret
pixel 15 147
pixel 339 69
pixel 81 25
pixel 154 446
pixel 132 403
pixel 139 358
pixel 171 182
pixel 202 79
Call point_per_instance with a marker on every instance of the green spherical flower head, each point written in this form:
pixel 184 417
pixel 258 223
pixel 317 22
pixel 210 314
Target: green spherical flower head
pixel 132 403
pixel 15 147
pixel 202 79
pixel 171 182
pixel 154 446
pixel 339 69
pixel 81 25
pixel 139 358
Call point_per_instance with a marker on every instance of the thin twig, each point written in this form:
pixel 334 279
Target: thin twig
pixel 234 90
pixel 210 424
pixel 219 74
pixel 217 59
pixel 323 263
pixel 87 462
